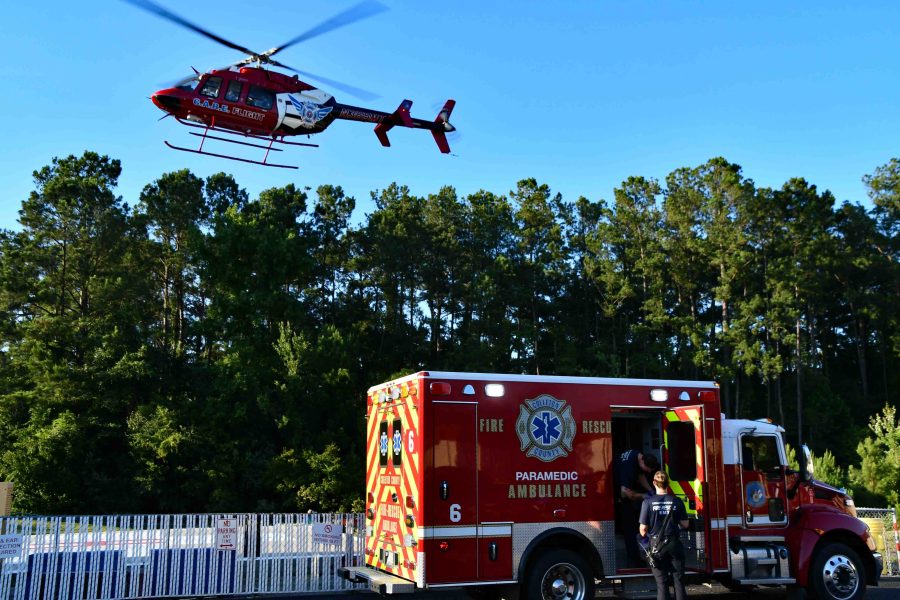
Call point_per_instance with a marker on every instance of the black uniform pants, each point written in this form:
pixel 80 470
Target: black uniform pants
pixel 674 565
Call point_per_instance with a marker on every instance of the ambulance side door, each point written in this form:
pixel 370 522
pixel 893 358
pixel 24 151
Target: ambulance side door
pixel 685 462
pixel 451 546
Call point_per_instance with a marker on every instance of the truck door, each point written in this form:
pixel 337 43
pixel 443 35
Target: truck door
pixel 451 548
pixel 684 458
pixel 763 481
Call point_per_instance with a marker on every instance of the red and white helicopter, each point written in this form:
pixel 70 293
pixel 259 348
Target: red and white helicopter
pixel 254 102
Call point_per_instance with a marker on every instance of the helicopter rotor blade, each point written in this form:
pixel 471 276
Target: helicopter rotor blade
pixel 170 16
pixel 350 89
pixel 357 12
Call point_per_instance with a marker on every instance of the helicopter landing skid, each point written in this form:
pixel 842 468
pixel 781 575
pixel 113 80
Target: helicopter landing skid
pixel 229 157
pixel 205 136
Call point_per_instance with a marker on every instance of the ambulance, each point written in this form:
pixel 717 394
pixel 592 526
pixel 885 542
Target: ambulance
pixel 503 484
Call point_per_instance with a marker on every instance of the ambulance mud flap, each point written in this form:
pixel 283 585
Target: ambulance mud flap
pixel 381 583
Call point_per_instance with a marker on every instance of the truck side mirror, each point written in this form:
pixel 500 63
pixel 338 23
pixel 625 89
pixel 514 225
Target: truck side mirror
pixel 806 463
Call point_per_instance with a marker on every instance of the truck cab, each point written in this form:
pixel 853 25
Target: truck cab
pixel 784 527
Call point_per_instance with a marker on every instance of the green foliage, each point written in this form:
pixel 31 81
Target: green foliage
pixel 829 471
pixel 877 479
pixel 205 350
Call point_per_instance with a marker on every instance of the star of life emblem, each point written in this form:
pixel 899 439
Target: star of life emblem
pixel 545 428
pixel 398 442
pixel 383 445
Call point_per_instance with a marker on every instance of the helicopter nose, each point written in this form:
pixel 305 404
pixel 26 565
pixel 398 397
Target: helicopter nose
pixel 166 102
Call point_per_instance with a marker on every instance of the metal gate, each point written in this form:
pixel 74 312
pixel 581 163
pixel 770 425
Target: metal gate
pixel 148 556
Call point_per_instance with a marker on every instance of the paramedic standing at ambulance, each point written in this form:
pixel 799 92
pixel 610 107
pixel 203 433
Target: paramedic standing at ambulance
pixel 653 513
pixel 632 486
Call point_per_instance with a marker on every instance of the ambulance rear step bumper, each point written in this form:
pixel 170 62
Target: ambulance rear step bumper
pixel 382 583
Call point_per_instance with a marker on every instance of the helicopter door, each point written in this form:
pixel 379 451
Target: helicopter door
pixel 280 102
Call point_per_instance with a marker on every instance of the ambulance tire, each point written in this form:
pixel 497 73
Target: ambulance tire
pixel 837 573
pixel 559 574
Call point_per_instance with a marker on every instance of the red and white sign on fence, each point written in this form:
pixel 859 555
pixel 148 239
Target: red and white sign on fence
pixel 226 533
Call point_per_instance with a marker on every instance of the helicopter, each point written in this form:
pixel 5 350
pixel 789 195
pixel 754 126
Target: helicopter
pixel 246 100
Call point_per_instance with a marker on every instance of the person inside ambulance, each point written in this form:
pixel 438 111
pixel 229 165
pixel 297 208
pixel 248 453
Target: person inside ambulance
pixel 630 473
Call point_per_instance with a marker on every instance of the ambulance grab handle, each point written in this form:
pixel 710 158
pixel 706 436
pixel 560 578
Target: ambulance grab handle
pixel 445 490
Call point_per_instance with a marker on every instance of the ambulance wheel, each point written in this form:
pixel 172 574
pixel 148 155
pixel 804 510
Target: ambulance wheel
pixel 559 574
pixel 837 574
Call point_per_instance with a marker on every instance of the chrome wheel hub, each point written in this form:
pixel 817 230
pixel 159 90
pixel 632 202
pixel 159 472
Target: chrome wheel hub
pixel 563 582
pixel 840 577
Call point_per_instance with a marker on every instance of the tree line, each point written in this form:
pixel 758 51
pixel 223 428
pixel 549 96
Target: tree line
pixel 201 350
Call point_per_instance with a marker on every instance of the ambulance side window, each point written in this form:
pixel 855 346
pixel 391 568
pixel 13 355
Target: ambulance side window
pixel 682 445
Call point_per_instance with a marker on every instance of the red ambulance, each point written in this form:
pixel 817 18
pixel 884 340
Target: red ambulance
pixel 504 484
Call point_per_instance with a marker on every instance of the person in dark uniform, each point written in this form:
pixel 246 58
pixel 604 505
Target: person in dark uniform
pixel 653 512
pixel 632 485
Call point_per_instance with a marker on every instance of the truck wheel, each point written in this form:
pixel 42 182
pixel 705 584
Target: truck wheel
pixel 837 574
pixel 559 575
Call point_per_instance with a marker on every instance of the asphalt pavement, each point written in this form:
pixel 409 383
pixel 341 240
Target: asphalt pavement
pixel 889 589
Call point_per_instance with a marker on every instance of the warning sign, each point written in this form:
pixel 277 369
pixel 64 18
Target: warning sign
pixel 10 545
pixel 226 533
pixel 326 533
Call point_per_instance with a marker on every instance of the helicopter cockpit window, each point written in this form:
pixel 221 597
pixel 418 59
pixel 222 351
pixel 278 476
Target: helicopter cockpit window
pixel 260 98
pixel 211 87
pixel 233 93
pixel 189 86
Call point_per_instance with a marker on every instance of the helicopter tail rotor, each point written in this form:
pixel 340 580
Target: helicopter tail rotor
pixel 443 126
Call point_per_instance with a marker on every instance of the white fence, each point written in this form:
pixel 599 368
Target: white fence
pixel 882 523
pixel 150 556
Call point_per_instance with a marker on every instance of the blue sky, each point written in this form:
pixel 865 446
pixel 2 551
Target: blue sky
pixel 579 94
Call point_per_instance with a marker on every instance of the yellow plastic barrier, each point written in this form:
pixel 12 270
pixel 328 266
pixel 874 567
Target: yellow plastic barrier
pixel 877 528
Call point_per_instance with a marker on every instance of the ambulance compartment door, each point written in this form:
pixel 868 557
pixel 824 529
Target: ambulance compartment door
pixel 684 456
pixel 452 546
